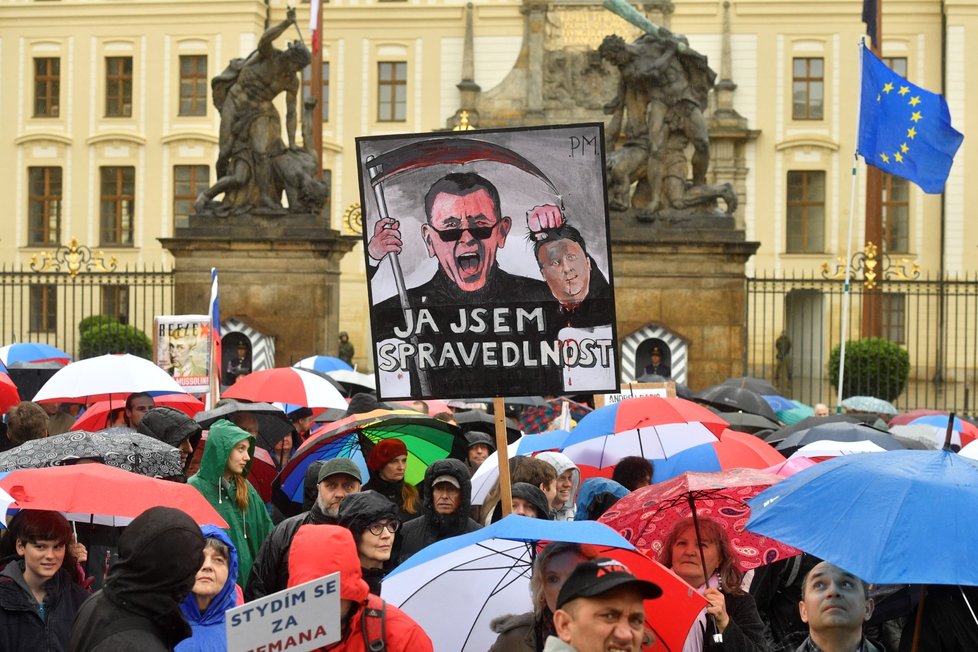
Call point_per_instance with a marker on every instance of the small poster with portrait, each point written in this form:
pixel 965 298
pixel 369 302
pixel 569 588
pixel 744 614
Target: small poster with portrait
pixel 489 262
pixel 181 346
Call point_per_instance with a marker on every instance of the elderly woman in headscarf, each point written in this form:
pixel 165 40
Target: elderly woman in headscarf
pixel 215 591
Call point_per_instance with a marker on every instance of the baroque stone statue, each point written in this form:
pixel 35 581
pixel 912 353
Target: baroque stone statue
pixel 662 93
pixel 254 165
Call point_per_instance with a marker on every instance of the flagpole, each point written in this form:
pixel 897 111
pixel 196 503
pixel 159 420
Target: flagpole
pixel 852 220
pixel 213 311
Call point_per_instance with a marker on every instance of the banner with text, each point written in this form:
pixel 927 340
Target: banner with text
pixel 489 263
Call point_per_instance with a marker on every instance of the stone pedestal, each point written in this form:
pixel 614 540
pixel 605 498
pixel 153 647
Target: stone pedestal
pixel 278 274
pixel 688 278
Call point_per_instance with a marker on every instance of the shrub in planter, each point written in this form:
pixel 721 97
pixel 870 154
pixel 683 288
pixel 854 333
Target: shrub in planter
pixel 113 337
pixel 874 367
pixel 93 321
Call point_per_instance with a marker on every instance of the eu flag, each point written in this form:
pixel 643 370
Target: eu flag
pixel 903 129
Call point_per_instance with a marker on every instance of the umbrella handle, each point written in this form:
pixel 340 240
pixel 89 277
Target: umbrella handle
pixel 919 620
pixel 718 637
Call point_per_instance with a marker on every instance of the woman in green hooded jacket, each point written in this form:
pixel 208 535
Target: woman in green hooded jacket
pixel 222 480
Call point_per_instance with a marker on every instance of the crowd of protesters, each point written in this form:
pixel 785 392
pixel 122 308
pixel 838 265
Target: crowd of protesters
pixel 165 583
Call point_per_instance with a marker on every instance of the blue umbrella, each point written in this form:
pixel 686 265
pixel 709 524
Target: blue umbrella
pixel 32 352
pixel 486 574
pixel 899 517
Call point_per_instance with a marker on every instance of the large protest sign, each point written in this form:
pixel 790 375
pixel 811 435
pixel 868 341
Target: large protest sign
pixel 181 345
pixel 304 617
pixel 489 263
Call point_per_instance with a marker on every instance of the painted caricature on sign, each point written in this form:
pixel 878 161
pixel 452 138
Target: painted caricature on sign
pixel 181 344
pixel 467 298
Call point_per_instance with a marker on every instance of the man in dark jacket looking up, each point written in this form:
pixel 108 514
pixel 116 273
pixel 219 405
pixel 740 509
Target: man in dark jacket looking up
pixel 445 511
pixel 835 604
pixel 160 553
pixel 338 477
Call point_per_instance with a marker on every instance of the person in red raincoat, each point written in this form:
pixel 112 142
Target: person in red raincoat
pixel 318 550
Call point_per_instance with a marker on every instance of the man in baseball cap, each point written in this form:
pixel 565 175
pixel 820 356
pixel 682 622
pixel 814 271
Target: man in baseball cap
pixel 600 608
pixel 338 478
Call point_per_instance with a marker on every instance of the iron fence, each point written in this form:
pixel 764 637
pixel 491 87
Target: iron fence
pixel 46 300
pixel 793 323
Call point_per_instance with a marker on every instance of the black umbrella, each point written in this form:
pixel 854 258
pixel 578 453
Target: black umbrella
pixel 783 433
pixel 521 401
pixel 839 431
pixel 485 422
pixel 753 384
pixel 121 447
pixel 746 421
pixel 682 391
pixel 736 399
pixel 273 425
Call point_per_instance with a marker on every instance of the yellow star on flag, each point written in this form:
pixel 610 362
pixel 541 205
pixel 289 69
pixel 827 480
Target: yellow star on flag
pixel 887 87
pixel 886 159
pixel 904 90
pixel 915 116
pixel 904 148
pixel 911 132
pixel 914 101
pixel 898 157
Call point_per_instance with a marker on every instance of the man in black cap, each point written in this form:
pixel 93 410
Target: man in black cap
pixel 600 607
pixel 338 478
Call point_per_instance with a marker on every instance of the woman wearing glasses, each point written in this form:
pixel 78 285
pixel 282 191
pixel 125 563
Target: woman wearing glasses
pixel 372 519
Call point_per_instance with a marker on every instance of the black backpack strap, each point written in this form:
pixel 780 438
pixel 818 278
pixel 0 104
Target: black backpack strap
pixel 374 627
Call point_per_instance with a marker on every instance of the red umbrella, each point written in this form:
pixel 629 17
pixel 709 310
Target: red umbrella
pixel 96 415
pixel 646 516
pixel 8 393
pixel 103 494
pixel 288 385
pixel 741 450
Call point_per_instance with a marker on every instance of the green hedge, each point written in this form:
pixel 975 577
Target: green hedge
pixel 874 367
pixel 113 337
pixel 95 320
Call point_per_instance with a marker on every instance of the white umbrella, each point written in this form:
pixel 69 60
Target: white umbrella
pixel 932 437
pixel 106 377
pixel 970 451
pixel 5 501
pixel 487 475
pixel 347 377
pixel 828 448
